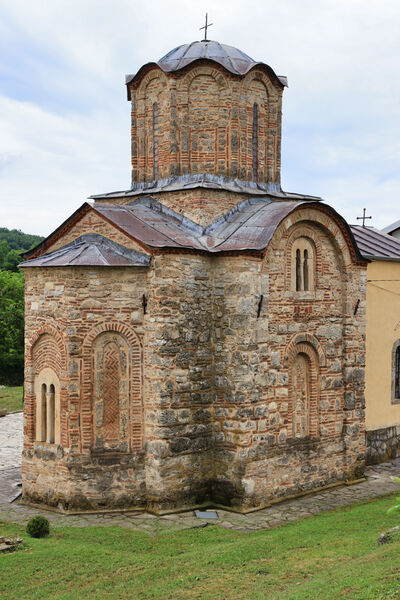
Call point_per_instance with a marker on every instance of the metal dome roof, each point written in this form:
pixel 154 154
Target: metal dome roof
pixel 232 59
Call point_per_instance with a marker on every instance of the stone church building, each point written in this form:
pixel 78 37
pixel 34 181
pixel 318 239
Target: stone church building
pixel 199 337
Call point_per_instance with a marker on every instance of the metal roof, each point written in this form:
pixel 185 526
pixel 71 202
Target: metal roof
pixel 91 250
pixel 249 226
pixel 208 181
pixel 392 227
pixel 373 243
pixel 231 58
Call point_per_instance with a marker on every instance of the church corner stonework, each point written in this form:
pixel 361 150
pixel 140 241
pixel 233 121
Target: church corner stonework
pixel 182 373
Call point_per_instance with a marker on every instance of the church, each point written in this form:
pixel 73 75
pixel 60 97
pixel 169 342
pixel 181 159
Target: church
pixel 199 338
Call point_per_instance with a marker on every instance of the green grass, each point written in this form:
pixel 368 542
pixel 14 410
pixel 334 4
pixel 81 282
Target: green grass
pixel 327 557
pixel 11 398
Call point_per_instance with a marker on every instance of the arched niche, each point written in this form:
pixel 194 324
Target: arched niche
pixel 112 389
pixel 45 387
pixel 203 119
pixel 303 363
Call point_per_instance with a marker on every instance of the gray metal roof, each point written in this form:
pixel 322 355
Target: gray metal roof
pixel 392 227
pixel 249 226
pixel 91 250
pixel 231 58
pixel 204 180
pixel 373 243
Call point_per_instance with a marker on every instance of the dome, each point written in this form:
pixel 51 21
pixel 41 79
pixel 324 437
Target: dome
pixel 231 58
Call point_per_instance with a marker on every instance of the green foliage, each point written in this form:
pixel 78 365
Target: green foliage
pixel 395 507
pixel 17 240
pixel 12 398
pixel 12 243
pixel 11 327
pixel 38 527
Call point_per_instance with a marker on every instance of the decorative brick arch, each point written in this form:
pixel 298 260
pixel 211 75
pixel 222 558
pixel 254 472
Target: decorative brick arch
pixel 306 349
pixel 45 352
pixel 311 342
pixel 117 335
pixel 269 122
pixel 51 330
pixel 185 82
pixel 155 73
pixel 263 77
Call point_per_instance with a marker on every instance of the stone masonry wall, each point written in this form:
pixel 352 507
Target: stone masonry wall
pixel 383 444
pixel 71 306
pixel 180 393
pixel 207 376
pixel 204 123
pixel 257 456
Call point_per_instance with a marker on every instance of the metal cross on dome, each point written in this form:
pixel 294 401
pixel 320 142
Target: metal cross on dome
pixel 206 26
pixel 363 218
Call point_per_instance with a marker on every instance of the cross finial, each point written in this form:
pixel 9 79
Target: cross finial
pixel 206 26
pixel 363 218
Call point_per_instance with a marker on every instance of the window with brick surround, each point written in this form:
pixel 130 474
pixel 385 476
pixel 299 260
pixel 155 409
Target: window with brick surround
pixel 47 407
pixel 303 265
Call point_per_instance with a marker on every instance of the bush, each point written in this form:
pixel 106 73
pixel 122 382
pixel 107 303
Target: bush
pixel 38 527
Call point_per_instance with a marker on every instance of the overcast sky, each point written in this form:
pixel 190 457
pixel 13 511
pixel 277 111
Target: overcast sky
pixel 64 117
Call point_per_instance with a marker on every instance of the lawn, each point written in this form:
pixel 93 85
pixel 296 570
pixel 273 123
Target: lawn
pixel 11 398
pixel 327 557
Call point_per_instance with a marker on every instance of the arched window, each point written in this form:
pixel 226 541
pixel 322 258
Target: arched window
pixel 303 265
pixel 396 373
pixel 255 142
pixel 42 413
pixel 52 414
pixel 47 407
pixel 305 270
pixel 155 141
pixel 298 270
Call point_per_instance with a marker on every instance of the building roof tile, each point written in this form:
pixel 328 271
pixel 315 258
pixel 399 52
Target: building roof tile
pixel 373 243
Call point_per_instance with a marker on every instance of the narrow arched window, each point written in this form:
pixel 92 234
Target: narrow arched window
pixel 298 270
pixel 255 142
pixel 42 433
pixel 305 270
pixel 397 374
pixel 155 141
pixel 303 265
pixel 51 414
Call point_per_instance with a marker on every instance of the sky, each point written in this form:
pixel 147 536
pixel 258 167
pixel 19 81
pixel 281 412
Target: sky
pixel 65 119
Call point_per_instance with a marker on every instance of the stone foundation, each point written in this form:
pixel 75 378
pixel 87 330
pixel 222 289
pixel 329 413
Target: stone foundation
pixel 383 444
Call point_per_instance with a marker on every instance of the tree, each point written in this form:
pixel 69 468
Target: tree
pixel 11 328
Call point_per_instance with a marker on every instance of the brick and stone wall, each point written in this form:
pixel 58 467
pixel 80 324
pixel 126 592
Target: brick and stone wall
pixel 202 385
pixel 257 455
pixel 73 310
pixel 200 120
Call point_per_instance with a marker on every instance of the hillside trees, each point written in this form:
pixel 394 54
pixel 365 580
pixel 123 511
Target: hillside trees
pixel 11 327
pixel 12 244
